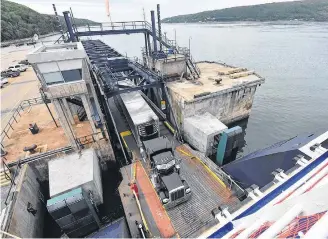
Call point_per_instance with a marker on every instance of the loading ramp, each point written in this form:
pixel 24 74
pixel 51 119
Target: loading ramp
pixel 190 218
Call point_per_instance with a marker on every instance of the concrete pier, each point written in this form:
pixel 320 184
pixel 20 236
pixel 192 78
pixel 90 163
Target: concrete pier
pixel 224 91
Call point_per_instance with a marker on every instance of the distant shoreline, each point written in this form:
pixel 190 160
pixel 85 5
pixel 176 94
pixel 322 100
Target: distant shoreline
pixel 286 22
pixel 26 40
pixel 306 10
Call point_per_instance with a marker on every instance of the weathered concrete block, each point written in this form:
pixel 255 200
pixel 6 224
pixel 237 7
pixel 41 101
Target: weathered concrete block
pixel 23 223
pixel 199 131
pixel 230 100
pixel 76 170
pixel 173 65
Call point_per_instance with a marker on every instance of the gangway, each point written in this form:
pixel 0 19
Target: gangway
pixel 135 27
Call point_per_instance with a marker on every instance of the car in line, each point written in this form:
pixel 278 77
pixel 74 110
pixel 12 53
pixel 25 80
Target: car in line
pixel 10 73
pixel 24 62
pixel 18 67
pixel 4 81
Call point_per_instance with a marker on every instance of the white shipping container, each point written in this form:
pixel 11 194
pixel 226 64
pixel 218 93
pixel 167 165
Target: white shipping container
pixel 76 170
pixel 199 131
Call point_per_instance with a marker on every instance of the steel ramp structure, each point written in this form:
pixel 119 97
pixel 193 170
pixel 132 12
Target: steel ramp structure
pixel 190 218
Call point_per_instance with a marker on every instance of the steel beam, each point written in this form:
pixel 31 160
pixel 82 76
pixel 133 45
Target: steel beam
pixel 149 45
pixel 69 27
pixel 144 74
pixel 111 32
pixel 143 87
pixel 146 44
pixel 159 27
pixel 153 25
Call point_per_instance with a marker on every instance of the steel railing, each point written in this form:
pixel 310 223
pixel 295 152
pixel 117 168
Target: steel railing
pixel 6 170
pixel 8 128
pixel 18 166
pixel 90 139
pixel 142 25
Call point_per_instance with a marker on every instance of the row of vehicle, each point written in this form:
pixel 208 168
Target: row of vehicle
pixel 170 186
pixel 15 70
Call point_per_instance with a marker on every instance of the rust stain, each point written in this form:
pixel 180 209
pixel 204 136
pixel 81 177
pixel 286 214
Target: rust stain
pixel 158 212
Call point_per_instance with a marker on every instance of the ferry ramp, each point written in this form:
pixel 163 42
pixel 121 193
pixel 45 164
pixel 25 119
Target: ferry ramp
pixel 190 218
pixel 193 217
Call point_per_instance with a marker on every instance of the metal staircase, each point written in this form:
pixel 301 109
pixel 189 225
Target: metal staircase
pixel 82 115
pixel 172 44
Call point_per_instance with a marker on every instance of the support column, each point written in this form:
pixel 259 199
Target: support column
pixel 159 27
pixel 153 24
pixel 64 123
pixel 146 44
pixel 88 79
pixel 149 45
pixel 87 106
pixel 69 26
pixel 68 112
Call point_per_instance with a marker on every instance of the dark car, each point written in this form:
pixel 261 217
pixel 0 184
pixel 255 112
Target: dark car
pixel 10 73
pixel 24 62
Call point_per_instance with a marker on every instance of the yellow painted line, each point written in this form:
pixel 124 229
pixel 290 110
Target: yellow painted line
pixel 134 171
pixel 125 133
pixel 185 153
pixel 204 165
pixel 11 235
pixel 178 236
pixel 211 172
pixel 141 213
pixel 169 127
pixel 125 144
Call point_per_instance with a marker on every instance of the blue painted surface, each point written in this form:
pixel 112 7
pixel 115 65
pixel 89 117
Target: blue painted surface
pixel 61 197
pixel 268 198
pixel 221 148
pixel 114 230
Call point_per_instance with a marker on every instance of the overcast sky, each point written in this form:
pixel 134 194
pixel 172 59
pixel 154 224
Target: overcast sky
pixel 125 10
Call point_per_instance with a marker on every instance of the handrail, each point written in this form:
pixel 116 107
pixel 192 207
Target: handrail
pixel 59 39
pixel 133 25
pixel 89 139
pixel 17 113
pixel 12 182
pixel 7 176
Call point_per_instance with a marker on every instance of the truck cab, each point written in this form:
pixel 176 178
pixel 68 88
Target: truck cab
pixel 170 186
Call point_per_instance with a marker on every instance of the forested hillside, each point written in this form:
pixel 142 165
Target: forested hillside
pixel 308 10
pixel 19 21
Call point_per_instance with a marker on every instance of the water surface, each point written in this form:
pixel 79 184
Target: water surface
pixel 292 58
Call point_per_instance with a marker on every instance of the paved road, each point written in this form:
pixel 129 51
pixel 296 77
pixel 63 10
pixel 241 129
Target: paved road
pixel 20 88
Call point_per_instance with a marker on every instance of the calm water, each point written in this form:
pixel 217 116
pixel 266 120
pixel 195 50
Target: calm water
pixel 292 58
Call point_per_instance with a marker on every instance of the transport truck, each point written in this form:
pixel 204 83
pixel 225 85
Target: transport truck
pixel 171 188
